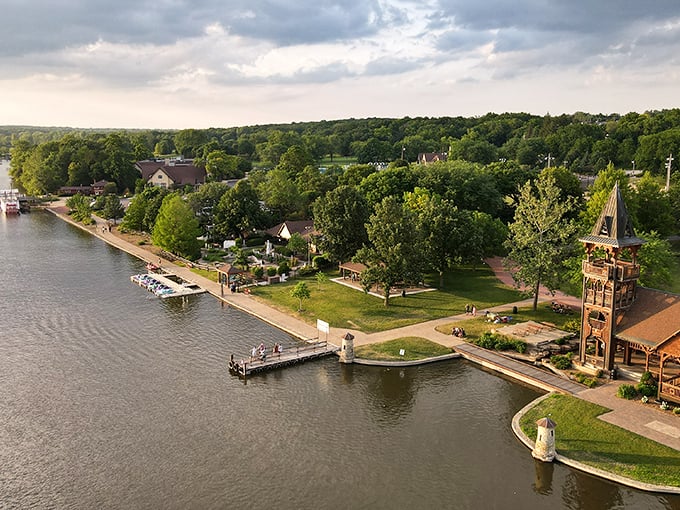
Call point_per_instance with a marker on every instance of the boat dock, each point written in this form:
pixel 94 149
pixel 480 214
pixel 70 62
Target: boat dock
pixel 248 365
pixel 165 285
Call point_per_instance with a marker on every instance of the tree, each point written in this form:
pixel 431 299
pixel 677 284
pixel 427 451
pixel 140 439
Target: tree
pixel 321 278
pixel 238 212
pixel 654 210
pixel 280 194
pixel 79 208
pixel 396 251
pixel 341 216
pixel 176 229
pixel 656 261
pixel 297 243
pixel 300 292
pixel 113 209
pixel 541 235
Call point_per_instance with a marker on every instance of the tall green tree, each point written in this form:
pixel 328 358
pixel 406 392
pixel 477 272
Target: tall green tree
pixel 395 253
pixel 176 229
pixel 654 211
pixel 541 236
pixel 113 209
pixel 238 212
pixel 341 217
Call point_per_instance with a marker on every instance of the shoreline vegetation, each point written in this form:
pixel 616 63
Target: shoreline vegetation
pixel 629 459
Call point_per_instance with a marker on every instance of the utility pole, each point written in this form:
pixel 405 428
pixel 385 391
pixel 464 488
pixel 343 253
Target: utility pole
pixel 669 161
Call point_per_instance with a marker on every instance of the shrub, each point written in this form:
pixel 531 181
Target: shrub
pixel 676 411
pixel 497 342
pixel 258 272
pixel 306 271
pixel 321 262
pixel 626 391
pixel 284 268
pixel 141 242
pixel 271 271
pixel 590 382
pixel 572 325
pixel 647 390
pixel 647 378
pixel 561 361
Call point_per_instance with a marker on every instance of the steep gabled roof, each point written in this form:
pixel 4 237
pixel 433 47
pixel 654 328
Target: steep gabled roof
pixel 181 173
pixel 614 227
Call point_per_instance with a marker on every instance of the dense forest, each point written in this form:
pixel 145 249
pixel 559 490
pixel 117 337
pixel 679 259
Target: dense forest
pixel 357 177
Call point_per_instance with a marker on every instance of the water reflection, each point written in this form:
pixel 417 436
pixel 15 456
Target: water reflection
pixel 544 477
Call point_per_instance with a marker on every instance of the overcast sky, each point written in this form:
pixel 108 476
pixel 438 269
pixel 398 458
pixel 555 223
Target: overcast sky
pixel 221 63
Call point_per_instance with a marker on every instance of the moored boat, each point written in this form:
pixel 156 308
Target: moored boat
pixel 9 201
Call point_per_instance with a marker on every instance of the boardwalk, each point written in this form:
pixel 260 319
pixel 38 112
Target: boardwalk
pixel 247 365
pixel 519 370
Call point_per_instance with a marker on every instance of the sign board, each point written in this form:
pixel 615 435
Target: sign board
pixel 402 352
pixel 322 326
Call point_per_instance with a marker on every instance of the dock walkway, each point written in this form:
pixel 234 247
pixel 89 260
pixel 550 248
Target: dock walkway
pixel 248 365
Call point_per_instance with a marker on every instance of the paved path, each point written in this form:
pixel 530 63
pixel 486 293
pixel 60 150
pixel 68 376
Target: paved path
pixel 645 420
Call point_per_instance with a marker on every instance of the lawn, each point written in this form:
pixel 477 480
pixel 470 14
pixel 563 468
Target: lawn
pixel 415 348
pixel 580 436
pixel 343 307
pixel 475 326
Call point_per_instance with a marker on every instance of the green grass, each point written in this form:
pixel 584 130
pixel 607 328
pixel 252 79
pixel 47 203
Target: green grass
pixel 343 307
pixel 580 436
pixel 415 348
pixel 475 327
pixel 210 275
pixel 338 160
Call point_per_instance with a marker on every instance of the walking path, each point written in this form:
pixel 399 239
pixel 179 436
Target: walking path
pixel 645 420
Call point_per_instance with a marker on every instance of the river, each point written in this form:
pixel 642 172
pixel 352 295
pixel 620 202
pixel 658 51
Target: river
pixel 112 398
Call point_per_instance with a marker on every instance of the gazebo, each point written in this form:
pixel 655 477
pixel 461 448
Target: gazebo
pixel 352 269
pixel 228 274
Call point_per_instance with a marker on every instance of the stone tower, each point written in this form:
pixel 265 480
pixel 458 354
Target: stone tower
pixel 610 274
pixel 545 440
pixel 347 349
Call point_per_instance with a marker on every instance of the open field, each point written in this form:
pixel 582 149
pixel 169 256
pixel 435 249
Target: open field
pixel 344 307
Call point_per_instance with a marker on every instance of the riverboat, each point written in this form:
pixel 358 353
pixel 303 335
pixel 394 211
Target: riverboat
pixel 9 201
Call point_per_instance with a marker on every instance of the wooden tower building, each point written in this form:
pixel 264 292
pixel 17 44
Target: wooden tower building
pixel 610 274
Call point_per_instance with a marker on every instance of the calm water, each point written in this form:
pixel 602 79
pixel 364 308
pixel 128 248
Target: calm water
pixel 114 399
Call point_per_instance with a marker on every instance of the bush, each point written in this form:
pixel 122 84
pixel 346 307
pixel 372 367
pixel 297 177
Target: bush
pixel 648 378
pixel 561 361
pixel 258 272
pixel 590 382
pixel 306 271
pixel 647 385
pixel 572 325
pixel 497 342
pixel 676 411
pixel 284 268
pixel 626 391
pixel 321 262
pixel 271 271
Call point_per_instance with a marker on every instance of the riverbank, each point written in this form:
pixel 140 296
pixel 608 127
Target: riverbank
pixel 427 330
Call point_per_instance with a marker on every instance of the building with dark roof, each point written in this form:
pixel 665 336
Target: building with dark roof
pixel 171 173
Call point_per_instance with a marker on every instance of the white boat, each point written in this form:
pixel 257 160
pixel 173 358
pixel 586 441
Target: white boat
pixel 9 201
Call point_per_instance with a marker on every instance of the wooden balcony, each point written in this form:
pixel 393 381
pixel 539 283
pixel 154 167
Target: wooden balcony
pixel 596 325
pixel 596 269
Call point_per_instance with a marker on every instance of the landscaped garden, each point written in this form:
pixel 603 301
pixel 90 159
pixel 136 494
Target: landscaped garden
pixel 581 436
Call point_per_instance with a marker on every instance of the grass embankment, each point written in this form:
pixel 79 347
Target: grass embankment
pixel 344 307
pixel 581 436
pixel 475 326
pixel 415 348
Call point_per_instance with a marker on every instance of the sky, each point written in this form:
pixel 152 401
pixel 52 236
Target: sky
pixel 177 64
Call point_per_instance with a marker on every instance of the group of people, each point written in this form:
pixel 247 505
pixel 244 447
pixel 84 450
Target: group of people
pixel 261 351
pixel 459 332
pixel 560 308
pixel 471 310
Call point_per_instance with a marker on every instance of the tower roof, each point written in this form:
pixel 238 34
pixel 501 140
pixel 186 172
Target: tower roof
pixel 614 226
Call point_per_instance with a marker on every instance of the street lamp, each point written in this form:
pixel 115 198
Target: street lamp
pixel 633 165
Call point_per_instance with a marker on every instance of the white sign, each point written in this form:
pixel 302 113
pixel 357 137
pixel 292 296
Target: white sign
pixel 228 244
pixel 322 326
pixel 402 352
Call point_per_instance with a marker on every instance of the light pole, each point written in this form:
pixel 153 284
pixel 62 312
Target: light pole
pixel 669 161
pixel 633 165
pixel 402 152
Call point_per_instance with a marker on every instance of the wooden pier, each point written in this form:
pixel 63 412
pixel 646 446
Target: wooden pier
pixel 246 366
